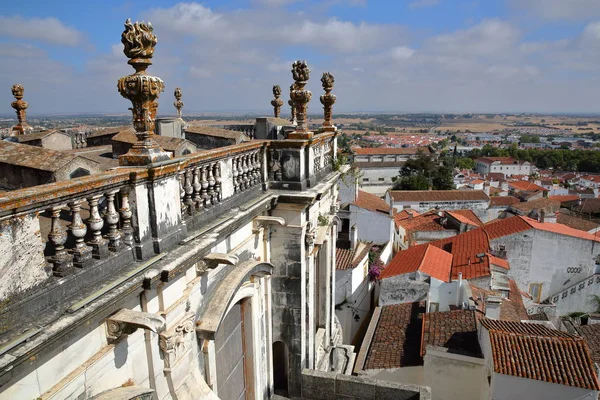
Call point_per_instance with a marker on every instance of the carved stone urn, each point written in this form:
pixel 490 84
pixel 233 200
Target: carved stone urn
pixel 142 90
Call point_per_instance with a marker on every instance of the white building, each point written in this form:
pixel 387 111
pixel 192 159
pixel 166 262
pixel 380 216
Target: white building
pixel 503 165
pixel 424 200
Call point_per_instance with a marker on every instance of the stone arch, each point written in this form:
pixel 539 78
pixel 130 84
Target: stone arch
pixel 222 298
pixel 79 172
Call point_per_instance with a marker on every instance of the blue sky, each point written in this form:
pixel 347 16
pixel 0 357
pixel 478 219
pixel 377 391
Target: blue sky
pixel 393 56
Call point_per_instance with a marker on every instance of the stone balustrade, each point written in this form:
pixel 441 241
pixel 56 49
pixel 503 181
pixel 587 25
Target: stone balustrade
pixel 132 213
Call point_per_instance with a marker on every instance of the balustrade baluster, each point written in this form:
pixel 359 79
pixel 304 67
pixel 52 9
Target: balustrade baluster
pixel 198 191
pixel 218 182
pixel 279 167
pixel 189 190
pixel 126 214
pixel 258 156
pixel 255 167
pixel 61 260
pixel 181 179
pixel 205 197
pixel 82 253
pixel 235 172
pixel 211 184
pixel 95 223
pixel 112 219
pixel 245 171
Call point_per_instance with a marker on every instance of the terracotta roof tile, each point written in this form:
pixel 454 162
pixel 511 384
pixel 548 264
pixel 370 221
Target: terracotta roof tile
pixel 544 358
pixel 501 160
pixel 574 222
pixel 438 195
pixel 371 202
pixel 526 186
pixel 564 198
pixel 343 258
pixel 404 214
pixel 216 132
pixel 397 338
pixel 388 150
pixel 466 216
pixel 503 201
pixel 498 261
pixel 428 259
pixel 512 308
pixel 426 222
pixel 523 328
pixel 549 206
pixel 464 249
pixel 455 330
pixel 591 335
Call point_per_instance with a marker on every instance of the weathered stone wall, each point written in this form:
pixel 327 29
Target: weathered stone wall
pixel 401 289
pixel 556 261
pixel 320 385
pixel 22 263
pixel 14 177
pixel 207 141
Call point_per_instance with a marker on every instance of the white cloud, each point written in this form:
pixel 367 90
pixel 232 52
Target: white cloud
pixel 401 53
pixel 48 30
pixel 560 9
pixel 423 3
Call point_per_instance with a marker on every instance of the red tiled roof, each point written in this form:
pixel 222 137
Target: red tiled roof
pixel 591 335
pixel 564 198
pixel 371 202
pixel 501 160
pixel 438 195
pixel 549 359
pixel 512 308
pixel 526 186
pixel 388 150
pixel 505 227
pixel 397 337
pixel 404 214
pixel 426 222
pixel 497 201
pixel 499 262
pixel 523 328
pixel 349 258
pixel 428 259
pixel 455 330
pixel 343 258
pixel 549 206
pixel 464 249
pixel 466 216
pixel 574 222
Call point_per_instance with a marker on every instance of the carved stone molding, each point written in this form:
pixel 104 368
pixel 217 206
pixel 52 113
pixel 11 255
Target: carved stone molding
pixel 213 260
pixel 328 100
pixel 174 342
pixel 142 90
pixel 265 220
pixel 310 236
pixel 301 97
pixel 178 103
pixel 20 107
pixel 276 102
pixel 127 321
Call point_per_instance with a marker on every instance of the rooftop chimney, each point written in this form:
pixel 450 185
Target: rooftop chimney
pixel 492 307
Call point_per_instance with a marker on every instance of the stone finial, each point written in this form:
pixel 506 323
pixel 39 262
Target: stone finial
pixel 20 107
pixel 328 100
pixel 142 90
pixel 301 97
pixel 276 102
pixel 178 103
pixel 292 107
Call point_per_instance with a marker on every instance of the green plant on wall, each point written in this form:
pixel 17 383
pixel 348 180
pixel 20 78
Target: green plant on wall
pixel 323 220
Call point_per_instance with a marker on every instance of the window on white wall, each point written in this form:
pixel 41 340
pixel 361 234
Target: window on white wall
pixel 535 290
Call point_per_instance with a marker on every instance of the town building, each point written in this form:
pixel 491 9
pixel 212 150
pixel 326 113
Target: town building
pixel 503 165
pixel 425 200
